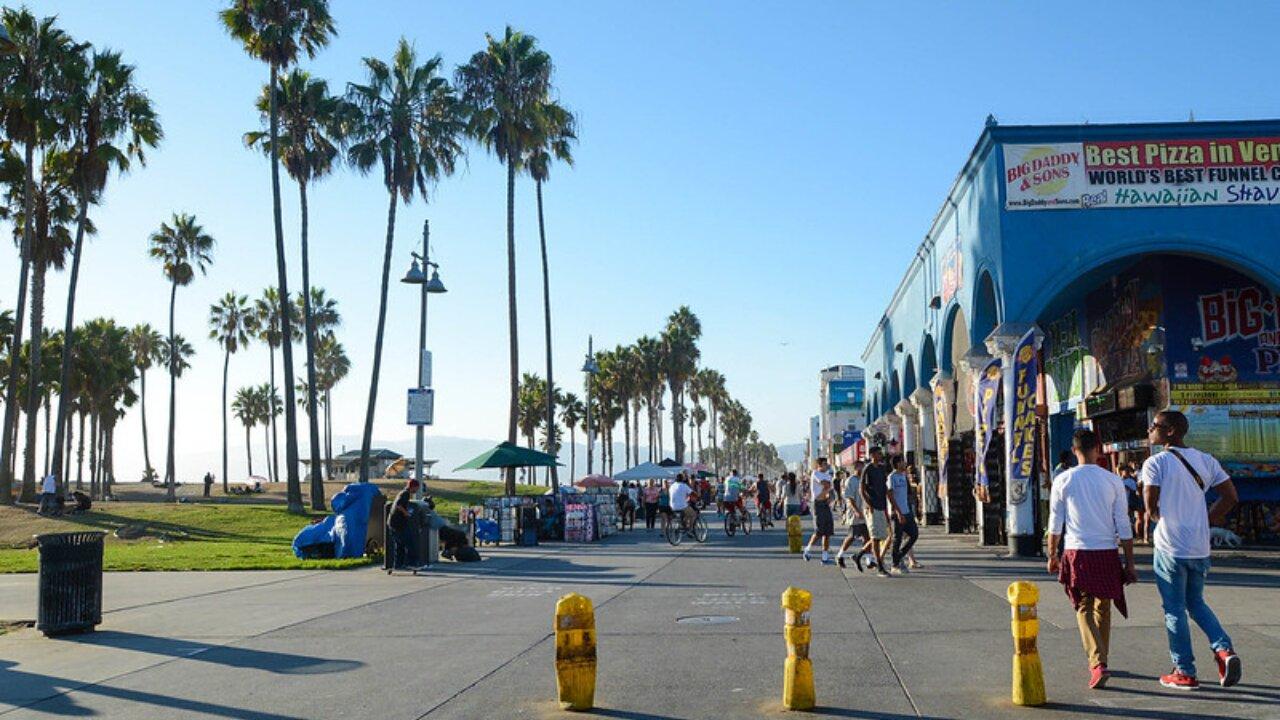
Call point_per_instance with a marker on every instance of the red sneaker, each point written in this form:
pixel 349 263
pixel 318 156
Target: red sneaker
pixel 1229 668
pixel 1179 680
pixel 1098 677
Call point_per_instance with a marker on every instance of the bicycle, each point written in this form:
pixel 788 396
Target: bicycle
pixel 765 511
pixel 737 518
pixel 676 531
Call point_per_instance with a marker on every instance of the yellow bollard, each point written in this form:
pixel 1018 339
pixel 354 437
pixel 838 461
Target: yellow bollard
pixel 1028 674
pixel 795 536
pixel 575 652
pixel 797 678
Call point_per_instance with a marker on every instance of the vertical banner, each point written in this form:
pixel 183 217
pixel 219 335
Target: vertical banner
pixel 1022 447
pixel 988 387
pixel 942 431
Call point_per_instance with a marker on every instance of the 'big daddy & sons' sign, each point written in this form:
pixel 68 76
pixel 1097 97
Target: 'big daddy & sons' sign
pixel 1146 173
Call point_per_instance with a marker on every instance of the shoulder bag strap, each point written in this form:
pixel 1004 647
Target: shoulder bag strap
pixel 1195 475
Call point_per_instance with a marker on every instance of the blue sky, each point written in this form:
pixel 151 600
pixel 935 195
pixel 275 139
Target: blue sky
pixel 772 165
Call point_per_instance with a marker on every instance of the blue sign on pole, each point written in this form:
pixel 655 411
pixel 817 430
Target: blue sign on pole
pixel 849 438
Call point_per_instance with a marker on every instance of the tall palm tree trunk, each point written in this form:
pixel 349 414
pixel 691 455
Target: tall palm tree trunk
pixel 146 444
pixel 328 435
pixel 8 445
pixel 266 444
pixel 273 449
pixel 68 331
pixel 546 303
pixel 80 456
pixel 512 329
pixel 313 419
pixel 248 449
pixel 170 488
pixel 226 365
pixel 367 438
pixel 293 488
pixel 93 455
pixel 45 401
pixel 33 382
pixel 64 472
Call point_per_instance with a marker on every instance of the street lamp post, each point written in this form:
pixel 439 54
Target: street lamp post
pixel 590 367
pixel 418 276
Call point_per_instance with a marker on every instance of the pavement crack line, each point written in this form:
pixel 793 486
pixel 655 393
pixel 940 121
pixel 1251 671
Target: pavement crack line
pixel 547 637
pixel 892 667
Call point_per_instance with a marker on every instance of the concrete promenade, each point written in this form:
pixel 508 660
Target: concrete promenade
pixel 472 641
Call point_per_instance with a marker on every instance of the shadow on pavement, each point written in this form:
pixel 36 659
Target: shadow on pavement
pixel 50 695
pixel 228 655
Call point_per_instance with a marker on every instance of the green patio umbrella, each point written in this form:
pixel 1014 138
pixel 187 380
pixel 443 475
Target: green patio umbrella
pixel 508 455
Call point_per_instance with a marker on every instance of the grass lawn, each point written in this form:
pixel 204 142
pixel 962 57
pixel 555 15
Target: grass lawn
pixel 201 535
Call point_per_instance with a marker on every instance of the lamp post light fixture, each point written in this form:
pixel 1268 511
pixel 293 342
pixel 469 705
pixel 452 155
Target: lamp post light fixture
pixel 417 276
pixel 590 367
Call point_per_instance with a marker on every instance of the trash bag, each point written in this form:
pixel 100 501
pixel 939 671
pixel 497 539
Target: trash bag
pixel 346 529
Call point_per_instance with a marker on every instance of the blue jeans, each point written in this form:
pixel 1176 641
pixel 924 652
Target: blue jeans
pixel 1181 586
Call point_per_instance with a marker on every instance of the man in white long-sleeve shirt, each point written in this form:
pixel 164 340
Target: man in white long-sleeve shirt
pixel 1090 507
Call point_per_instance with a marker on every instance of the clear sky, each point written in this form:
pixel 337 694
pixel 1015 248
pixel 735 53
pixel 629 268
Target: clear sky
pixel 772 165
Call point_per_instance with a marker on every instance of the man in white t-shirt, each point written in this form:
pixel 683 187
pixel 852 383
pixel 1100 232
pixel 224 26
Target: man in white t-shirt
pixel 1088 511
pixel 679 494
pixel 820 487
pixel 1176 482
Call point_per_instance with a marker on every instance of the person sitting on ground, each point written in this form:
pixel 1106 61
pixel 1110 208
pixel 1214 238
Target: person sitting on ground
pixel 398 522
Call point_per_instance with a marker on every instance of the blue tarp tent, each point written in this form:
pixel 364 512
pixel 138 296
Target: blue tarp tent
pixel 345 529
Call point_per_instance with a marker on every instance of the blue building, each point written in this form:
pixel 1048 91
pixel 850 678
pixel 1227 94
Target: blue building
pixel 1144 261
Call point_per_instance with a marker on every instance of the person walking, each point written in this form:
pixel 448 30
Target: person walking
pixel 1176 482
pixel 791 494
pixel 208 483
pixel 651 495
pixel 1088 511
pixel 398 523
pixel 853 518
pixel 904 521
pixel 874 488
pixel 823 522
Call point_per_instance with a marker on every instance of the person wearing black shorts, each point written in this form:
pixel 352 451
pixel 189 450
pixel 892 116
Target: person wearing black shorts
pixel 823 522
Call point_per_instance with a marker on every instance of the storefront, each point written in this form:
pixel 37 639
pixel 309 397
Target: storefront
pixel 1089 276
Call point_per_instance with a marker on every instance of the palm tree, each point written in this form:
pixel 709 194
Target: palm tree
pixel 680 340
pixel 532 392
pixel 54 212
pixel 332 366
pixel 311 122
pixel 31 72
pixel 572 412
pixel 711 388
pixel 182 248
pixel 114 123
pixel 407 119
pixel 268 406
pixel 276 32
pixel 269 321
pixel 231 322
pixel 556 132
pixel 245 408
pixel 145 343
pixel 503 87
pixel 649 362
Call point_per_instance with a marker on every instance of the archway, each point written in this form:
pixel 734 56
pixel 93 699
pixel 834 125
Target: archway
pixel 928 361
pixel 986 314
pixel 908 378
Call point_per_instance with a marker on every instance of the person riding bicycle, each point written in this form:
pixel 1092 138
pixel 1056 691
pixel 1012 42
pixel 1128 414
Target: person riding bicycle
pixel 733 494
pixel 763 501
pixel 684 500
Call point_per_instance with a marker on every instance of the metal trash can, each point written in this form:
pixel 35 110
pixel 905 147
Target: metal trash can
pixel 70 582
pixel 423 543
pixel 527 528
